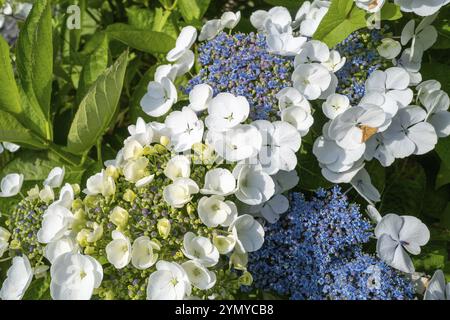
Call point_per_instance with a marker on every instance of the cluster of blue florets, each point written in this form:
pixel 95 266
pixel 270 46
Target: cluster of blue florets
pixel 362 58
pixel 241 64
pixel 315 252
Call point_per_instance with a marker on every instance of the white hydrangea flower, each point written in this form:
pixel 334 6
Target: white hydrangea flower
pixel 74 277
pixel 254 185
pixel 295 110
pixel 55 177
pixel 215 210
pixel 135 170
pixel 248 232
pixel 160 97
pixel 335 105
pixel 210 30
pixel 311 80
pixel 11 185
pixel 396 234
pixel 55 222
pixel 421 7
pixel 229 20
pixel 118 251
pixel 310 15
pixel 185 40
pixel 389 48
pixel 363 185
pixel 141 132
pixel 438 288
pixel 200 96
pixel 184 129
pixel 142 253
pixel 18 279
pixel 410 134
pixel 60 246
pixel 226 111
pixel 240 143
pixel 178 167
pixel 100 183
pixel 4 238
pixel 169 282
pixel 198 275
pixel 423 37
pixel 200 249
pixel 219 181
pixel 180 192
pixel 280 143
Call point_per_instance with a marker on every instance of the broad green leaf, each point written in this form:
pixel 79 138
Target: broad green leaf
pixel 13 131
pixel 405 188
pixel 443 150
pixel 97 109
pixel 39 289
pixel 193 9
pixel 342 19
pixel 140 18
pixel 143 40
pixel 309 171
pixel 442 25
pixel 9 93
pixel 443 177
pixel 390 12
pixel 94 66
pixel 437 71
pixel 35 166
pixel 35 56
pixel 433 257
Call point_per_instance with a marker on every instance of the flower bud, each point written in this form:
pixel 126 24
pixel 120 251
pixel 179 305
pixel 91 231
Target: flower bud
pixel 33 193
pixel 245 279
pixel 164 140
pixel 239 260
pixel 76 189
pixel 112 172
pixel 163 227
pixel 119 217
pixel 224 244
pixel 129 196
pixel 47 195
pixel 41 271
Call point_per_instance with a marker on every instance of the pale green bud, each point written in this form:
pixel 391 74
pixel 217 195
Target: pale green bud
pixel 163 227
pixel 119 217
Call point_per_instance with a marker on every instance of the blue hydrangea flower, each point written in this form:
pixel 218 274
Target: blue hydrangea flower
pixel 240 64
pixel 315 252
pixel 360 50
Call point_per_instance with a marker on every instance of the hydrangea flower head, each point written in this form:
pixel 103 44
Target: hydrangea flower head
pixel 315 252
pixel 241 64
pixel 362 58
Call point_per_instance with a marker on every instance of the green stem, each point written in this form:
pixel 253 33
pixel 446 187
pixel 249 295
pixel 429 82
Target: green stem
pixel 6 259
pixel 99 151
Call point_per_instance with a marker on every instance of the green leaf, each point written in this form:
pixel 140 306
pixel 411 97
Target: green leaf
pixel 309 171
pixel 390 12
pixel 95 65
pixel 193 9
pixel 443 176
pixel 443 150
pixel 35 166
pixel 35 56
pixel 97 110
pixel 39 289
pixel 152 42
pixel 13 131
pixel 433 257
pixel 140 18
pixel 405 188
pixel 437 71
pixel 342 19
pixel 9 93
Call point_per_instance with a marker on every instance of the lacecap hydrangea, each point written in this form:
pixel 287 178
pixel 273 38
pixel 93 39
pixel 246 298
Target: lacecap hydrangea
pixel 315 251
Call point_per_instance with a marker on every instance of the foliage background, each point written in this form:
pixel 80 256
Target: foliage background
pixel 67 96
